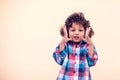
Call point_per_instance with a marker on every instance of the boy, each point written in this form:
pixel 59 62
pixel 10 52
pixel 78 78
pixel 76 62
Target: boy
pixel 76 52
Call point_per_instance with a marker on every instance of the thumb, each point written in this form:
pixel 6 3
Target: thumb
pixel 84 39
pixel 69 39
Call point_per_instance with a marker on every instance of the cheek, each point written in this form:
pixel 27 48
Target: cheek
pixel 70 35
pixel 82 35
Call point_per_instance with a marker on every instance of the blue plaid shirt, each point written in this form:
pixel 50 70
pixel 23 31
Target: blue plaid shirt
pixel 75 61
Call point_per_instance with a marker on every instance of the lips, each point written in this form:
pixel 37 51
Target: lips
pixel 76 37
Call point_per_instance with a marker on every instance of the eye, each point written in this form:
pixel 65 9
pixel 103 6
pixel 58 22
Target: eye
pixel 80 30
pixel 72 30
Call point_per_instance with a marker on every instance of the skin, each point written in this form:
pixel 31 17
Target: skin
pixel 76 34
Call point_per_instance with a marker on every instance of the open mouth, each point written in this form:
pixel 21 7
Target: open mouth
pixel 76 37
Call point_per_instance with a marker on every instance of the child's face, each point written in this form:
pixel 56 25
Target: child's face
pixel 76 32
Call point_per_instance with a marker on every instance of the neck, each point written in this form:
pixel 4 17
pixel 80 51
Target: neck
pixel 76 43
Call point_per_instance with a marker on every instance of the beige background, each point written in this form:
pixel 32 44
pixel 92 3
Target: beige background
pixel 29 33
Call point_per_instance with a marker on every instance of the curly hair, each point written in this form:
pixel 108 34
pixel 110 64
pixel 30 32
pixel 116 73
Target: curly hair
pixel 79 19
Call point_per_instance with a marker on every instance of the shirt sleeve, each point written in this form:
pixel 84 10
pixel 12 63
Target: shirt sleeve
pixel 92 59
pixel 59 56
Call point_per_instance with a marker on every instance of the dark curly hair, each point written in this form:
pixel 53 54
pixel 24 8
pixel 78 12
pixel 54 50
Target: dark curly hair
pixel 77 18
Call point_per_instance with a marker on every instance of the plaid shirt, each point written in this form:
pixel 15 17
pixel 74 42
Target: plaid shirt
pixel 75 61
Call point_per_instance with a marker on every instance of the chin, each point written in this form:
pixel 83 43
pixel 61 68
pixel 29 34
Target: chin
pixel 76 40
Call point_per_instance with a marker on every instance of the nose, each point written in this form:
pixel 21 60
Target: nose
pixel 76 32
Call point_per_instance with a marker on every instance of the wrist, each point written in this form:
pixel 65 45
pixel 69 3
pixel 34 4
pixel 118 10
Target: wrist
pixel 90 44
pixel 62 46
pixel 63 41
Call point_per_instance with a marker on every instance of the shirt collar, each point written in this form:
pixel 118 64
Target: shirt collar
pixel 79 43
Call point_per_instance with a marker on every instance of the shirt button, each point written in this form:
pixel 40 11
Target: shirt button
pixel 76 46
pixel 74 71
pixel 75 53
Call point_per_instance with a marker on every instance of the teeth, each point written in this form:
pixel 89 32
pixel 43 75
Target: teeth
pixel 76 37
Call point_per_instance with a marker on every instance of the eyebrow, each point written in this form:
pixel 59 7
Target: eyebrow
pixel 79 28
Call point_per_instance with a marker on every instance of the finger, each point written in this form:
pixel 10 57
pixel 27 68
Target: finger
pixel 69 39
pixel 65 31
pixel 62 31
pixel 84 39
pixel 87 31
pixel 86 34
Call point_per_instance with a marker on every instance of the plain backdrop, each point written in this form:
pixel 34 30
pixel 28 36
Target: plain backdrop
pixel 29 33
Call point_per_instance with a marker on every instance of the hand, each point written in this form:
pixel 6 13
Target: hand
pixel 65 35
pixel 89 42
pixel 64 39
pixel 87 38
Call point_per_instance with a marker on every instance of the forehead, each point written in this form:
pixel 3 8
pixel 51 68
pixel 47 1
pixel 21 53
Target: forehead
pixel 77 25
